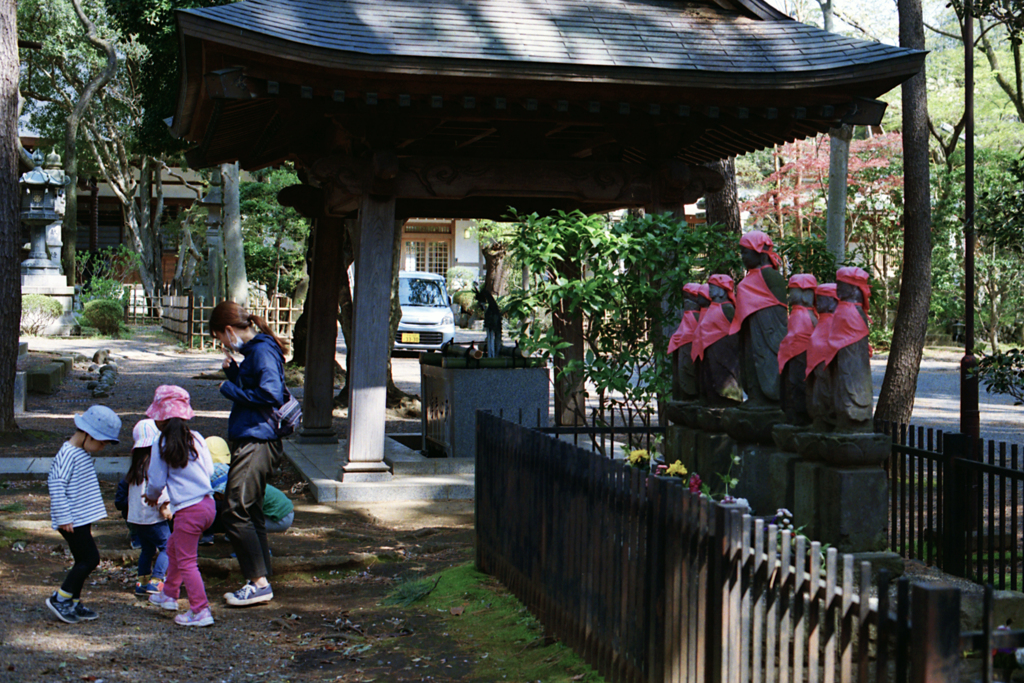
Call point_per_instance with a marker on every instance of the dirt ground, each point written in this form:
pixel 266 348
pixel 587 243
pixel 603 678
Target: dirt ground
pixel 332 568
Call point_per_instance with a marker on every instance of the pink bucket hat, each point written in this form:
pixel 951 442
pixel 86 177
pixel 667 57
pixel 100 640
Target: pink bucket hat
pixel 145 434
pixel 170 401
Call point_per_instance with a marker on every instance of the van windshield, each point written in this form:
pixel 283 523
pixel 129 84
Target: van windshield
pixel 420 292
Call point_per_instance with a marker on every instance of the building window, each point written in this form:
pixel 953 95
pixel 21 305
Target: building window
pixel 427 245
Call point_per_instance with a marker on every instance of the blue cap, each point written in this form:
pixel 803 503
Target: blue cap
pixel 100 422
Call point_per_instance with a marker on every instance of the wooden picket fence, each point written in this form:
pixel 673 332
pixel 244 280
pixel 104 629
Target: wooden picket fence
pixel 186 317
pixel 650 582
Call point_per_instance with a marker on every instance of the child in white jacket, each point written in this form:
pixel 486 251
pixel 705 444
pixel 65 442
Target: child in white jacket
pixel 150 524
pixel 181 462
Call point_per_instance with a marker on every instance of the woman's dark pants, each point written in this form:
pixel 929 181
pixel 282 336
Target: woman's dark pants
pixel 251 463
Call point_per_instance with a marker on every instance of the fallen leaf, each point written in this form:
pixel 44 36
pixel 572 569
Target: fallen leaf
pixel 457 611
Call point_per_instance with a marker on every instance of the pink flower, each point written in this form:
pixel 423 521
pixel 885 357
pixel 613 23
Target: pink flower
pixel 695 483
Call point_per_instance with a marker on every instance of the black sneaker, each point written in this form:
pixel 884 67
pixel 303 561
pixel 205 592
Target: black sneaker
pixel 249 594
pixel 83 612
pixel 64 609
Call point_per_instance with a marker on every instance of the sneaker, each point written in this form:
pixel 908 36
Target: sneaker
pixel 190 618
pixel 136 544
pixel 64 609
pixel 149 588
pixel 164 601
pixel 249 594
pixel 83 612
pixel 206 539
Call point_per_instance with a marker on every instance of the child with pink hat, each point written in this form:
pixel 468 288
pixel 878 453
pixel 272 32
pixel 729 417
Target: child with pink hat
pixel 182 463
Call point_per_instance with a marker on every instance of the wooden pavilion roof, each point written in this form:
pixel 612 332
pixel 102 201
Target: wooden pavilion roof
pixel 626 81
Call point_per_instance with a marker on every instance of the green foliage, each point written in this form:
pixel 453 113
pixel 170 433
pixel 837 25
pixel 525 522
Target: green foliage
pixel 153 25
pixel 274 235
pixel 105 272
pixel 106 315
pixel 1003 373
pixel 614 278
pixel 807 255
pixel 38 312
pixel 459 278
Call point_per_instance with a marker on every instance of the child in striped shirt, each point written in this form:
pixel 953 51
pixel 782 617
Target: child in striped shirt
pixel 75 503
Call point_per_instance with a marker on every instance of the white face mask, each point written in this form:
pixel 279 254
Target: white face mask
pixel 233 341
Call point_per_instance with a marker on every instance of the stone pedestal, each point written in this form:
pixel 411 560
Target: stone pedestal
pixel 452 396
pixel 753 473
pixel 843 449
pixel 806 497
pixel 681 445
pixel 853 508
pixel 752 425
pixel 714 457
pixel 40 274
pixel 782 479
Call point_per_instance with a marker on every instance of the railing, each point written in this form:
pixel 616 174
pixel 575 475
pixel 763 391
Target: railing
pixel 957 503
pixel 649 582
pixel 140 309
pixel 186 316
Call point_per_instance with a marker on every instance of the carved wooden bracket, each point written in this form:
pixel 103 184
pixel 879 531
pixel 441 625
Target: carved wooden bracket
pixel 345 178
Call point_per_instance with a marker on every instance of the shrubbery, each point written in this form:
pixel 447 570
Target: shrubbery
pixel 106 315
pixel 38 312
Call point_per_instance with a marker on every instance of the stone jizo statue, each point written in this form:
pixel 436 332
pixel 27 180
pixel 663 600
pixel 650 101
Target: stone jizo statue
pixel 684 373
pixel 820 402
pixel 793 348
pixel 760 319
pixel 717 349
pixel 848 339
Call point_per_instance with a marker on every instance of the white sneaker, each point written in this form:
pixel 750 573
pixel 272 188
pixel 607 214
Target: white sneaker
pixel 190 618
pixel 249 594
pixel 164 601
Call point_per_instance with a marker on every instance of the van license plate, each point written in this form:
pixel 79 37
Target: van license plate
pixel 410 337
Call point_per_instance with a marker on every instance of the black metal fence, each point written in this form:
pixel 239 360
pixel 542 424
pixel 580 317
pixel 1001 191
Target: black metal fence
pixel 649 582
pixel 957 503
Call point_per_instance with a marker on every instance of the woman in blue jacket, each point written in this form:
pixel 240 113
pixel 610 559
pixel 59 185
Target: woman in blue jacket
pixel 255 387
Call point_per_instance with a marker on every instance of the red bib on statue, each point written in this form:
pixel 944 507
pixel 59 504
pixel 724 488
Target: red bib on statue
pixel 713 326
pixel 818 349
pixel 751 296
pixel 684 333
pixel 798 335
pixel 848 326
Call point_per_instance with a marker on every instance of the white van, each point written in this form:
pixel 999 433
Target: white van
pixel 427 320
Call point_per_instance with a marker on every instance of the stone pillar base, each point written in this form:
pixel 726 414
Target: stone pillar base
pixel 365 472
pixel 806 496
pixel 681 445
pixel 713 456
pixel 782 480
pixel 317 435
pixel 853 508
pixel 752 425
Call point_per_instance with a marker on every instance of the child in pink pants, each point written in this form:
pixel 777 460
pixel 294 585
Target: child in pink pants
pixel 181 461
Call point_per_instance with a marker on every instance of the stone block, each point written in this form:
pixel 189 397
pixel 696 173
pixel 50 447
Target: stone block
pixel 20 383
pixel 714 457
pixel 452 397
pixel 752 425
pixel 1008 609
pixel 22 349
pixel 681 444
pixel 853 511
pixel 752 473
pixel 69 364
pixel 46 379
pixel 806 496
pixel 782 478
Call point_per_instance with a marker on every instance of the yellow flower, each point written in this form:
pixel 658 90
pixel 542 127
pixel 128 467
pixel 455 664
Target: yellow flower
pixel 638 457
pixel 676 469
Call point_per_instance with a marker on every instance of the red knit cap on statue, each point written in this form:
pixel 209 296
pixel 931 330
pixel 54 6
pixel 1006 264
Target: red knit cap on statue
pixel 858 277
pixel 827 289
pixel 705 292
pixel 692 288
pixel 803 281
pixel 724 282
pixel 761 243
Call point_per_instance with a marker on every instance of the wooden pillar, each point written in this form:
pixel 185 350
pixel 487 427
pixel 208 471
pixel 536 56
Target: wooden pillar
pixel 322 333
pixel 370 325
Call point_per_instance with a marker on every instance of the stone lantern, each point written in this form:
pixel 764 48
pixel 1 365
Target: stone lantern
pixel 214 203
pixel 42 211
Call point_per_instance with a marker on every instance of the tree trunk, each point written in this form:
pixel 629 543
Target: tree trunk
pixel 69 228
pixel 723 207
pixel 10 222
pixel 838 168
pixel 494 262
pixel 234 251
pixel 896 398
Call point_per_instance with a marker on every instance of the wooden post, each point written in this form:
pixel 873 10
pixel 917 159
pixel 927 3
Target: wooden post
pixel 935 638
pixel 321 339
pixel 955 495
pixel 370 325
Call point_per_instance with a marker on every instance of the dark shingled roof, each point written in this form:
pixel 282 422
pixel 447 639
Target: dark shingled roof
pixel 656 34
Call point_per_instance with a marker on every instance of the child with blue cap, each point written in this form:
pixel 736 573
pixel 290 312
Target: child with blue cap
pixel 76 502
